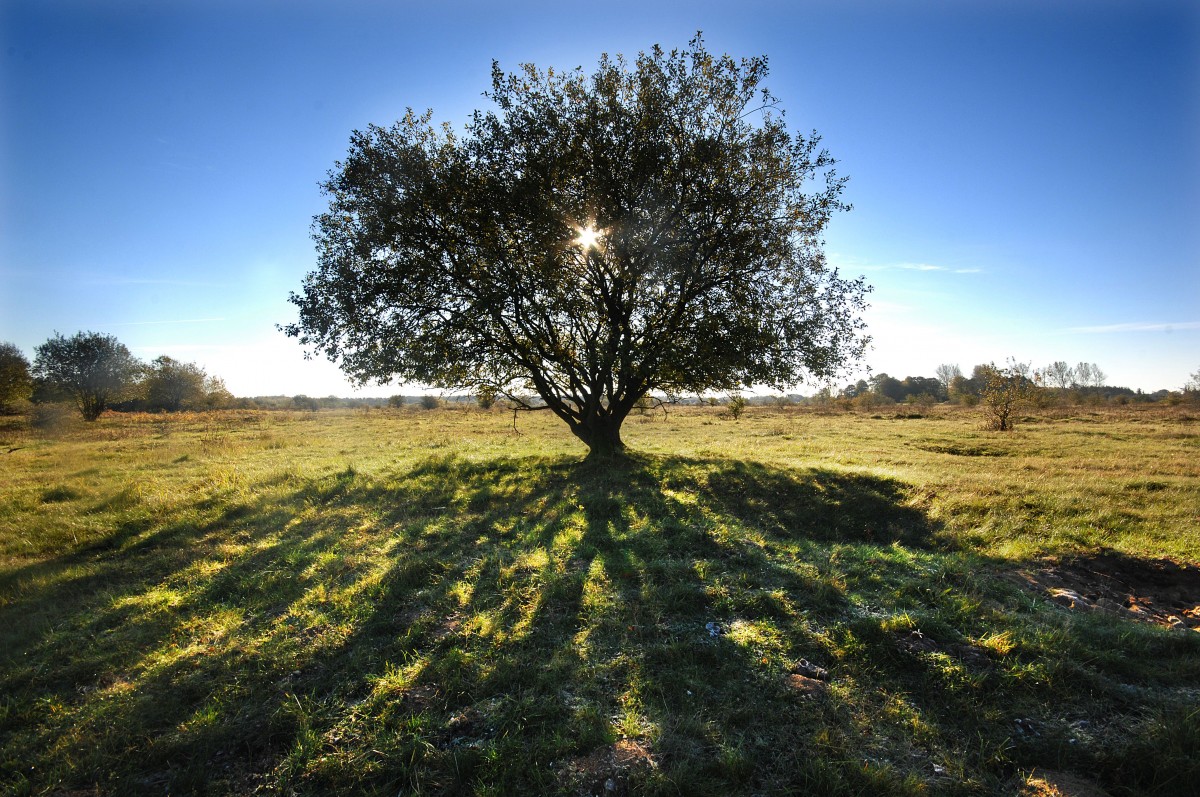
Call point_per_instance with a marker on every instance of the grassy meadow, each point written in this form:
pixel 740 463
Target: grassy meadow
pixel 429 602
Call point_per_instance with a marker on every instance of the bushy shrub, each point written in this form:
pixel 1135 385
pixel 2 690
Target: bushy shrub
pixel 735 407
pixel 16 383
pixel 1006 390
pixel 871 401
pixel 21 406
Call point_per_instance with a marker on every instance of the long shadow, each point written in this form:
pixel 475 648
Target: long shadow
pixel 519 626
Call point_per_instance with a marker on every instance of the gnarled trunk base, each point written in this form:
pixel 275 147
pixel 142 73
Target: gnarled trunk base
pixel 602 437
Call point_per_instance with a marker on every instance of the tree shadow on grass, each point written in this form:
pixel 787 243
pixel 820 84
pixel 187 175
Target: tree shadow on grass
pixel 487 627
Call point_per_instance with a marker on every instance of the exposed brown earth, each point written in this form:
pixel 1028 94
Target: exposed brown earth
pixel 805 686
pixel 1047 783
pixel 1160 591
pixel 606 770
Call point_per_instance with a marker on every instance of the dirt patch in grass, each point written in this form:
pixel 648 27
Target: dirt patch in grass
pixel 1160 591
pixel 1047 783
pixel 807 679
pixel 607 770
pixel 805 686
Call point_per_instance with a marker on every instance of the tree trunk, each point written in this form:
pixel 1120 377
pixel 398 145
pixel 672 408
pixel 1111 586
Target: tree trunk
pixel 602 434
pixel 91 406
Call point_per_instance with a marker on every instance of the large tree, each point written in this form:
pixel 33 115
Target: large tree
pixel 590 239
pixel 94 370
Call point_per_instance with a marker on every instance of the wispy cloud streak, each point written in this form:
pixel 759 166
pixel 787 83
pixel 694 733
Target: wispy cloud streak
pixel 1107 328
pixel 927 267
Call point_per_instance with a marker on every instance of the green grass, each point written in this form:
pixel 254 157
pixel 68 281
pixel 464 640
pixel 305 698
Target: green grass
pixel 427 603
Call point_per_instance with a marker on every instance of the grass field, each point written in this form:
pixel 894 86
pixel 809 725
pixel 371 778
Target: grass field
pixel 408 602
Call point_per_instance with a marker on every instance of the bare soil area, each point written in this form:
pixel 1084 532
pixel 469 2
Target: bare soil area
pixel 606 770
pixel 1161 591
pixel 1048 783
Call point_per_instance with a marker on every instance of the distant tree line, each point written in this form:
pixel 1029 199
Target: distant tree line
pixel 1057 383
pixel 96 372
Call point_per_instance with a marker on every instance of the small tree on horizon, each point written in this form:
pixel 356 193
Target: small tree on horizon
pixel 649 227
pixel 735 406
pixel 1191 389
pixel 946 374
pixel 962 391
pixel 1059 375
pixel 1005 391
pixel 1089 375
pixel 94 370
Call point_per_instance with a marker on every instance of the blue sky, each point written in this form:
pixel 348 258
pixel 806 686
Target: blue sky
pixel 1025 176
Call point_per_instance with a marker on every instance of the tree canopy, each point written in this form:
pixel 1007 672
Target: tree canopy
pixel 173 385
pixel 592 238
pixel 95 370
pixel 170 384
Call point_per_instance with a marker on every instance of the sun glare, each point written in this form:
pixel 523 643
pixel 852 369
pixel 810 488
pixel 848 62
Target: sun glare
pixel 589 237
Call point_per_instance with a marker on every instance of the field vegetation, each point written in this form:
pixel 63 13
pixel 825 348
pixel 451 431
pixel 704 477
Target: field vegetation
pixel 435 602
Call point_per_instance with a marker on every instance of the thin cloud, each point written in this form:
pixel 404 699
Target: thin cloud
pixel 1100 330
pixel 931 267
pixel 926 267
